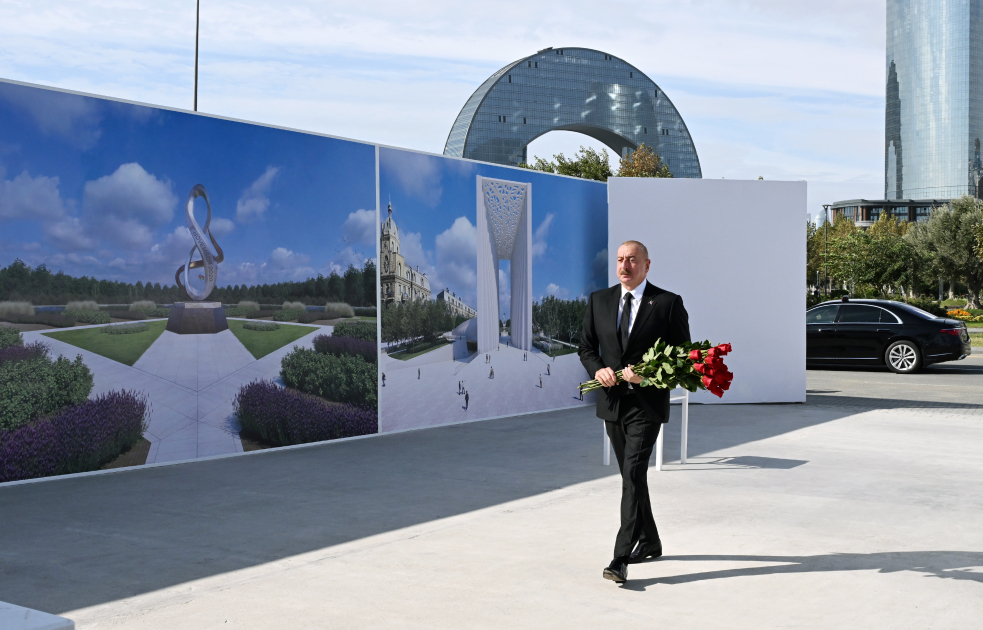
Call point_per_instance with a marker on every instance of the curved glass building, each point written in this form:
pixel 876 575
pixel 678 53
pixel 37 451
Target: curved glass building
pixel 934 114
pixel 571 89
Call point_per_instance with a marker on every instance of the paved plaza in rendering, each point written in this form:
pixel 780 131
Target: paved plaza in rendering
pixel 858 509
pixel 420 392
pixel 190 381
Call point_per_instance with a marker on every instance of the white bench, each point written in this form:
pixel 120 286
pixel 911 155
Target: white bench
pixel 684 438
pixel 19 618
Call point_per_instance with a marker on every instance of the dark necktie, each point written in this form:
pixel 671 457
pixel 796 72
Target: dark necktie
pixel 625 319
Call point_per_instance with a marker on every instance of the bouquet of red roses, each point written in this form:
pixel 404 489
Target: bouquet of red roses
pixel 691 366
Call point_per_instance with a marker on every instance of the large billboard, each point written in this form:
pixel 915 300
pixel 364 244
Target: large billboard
pixel 175 286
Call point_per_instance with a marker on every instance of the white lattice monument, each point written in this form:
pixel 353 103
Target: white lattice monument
pixel 504 232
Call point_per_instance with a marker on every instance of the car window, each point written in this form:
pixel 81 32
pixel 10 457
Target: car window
pixel 822 314
pixel 917 311
pixel 858 314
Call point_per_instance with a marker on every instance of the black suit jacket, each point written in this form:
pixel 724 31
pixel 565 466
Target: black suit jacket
pixel 661 315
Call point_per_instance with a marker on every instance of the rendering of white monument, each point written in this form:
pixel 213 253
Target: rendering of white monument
pixel 504 232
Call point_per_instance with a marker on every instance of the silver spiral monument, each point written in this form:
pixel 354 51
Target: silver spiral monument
pixel 198 316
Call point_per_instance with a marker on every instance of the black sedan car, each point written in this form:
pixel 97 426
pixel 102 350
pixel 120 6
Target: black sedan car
pixel 882 332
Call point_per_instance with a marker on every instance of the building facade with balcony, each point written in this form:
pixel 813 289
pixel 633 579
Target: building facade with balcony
pixel 456 305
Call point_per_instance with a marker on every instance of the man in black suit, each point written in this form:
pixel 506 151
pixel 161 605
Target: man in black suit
pixel 620 324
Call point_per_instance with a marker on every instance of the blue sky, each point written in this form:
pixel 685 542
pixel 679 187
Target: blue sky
pixel 434 204
pixel 94 187
pixel 771 88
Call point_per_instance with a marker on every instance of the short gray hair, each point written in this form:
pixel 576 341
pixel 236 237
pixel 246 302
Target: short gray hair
pixel 641 246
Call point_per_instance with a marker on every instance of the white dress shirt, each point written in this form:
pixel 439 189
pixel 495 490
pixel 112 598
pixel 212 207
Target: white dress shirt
pixel 636 300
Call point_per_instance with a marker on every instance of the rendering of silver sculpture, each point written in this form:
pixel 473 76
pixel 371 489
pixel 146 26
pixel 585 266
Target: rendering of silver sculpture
pixel 208 260
pixel 199 317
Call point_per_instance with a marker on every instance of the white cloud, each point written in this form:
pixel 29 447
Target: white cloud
pixel 359 227
pixel 255 200
pixel 283 258
pixel 457 257
pixel 69 234
pixel 221 227
pixel 127 206
pixel 539 236
pixel 26 197
pixel 556 291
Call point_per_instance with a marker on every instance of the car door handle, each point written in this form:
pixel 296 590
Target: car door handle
pixel 883 330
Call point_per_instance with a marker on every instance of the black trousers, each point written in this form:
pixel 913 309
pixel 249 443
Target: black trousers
pixel 633 437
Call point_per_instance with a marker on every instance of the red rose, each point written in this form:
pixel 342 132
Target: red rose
pixel 695 355
pixel 699 368
pixel 707 381
pixel 720 377
pixel 724 348
pixel 725 386
pixel 717 391
pixel 712 353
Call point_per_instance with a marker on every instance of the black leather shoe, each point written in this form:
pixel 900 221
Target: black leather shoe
pixel 644 552
pixel 617 571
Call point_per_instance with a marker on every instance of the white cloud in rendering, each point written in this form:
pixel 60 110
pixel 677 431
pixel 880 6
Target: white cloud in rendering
pixel 359 227
pixel 255 200
pixel 26 197
pixel 127 206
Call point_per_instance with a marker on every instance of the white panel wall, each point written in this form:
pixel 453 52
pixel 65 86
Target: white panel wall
pixel 736 252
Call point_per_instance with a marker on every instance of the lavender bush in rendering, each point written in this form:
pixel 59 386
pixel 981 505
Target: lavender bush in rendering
pixel 81 438
pixel 283 416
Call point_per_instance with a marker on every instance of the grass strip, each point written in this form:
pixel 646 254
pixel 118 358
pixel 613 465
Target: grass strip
pixel 261 343
pixel 126 349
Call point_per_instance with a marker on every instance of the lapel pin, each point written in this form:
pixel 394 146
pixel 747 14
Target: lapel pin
pixel 651 302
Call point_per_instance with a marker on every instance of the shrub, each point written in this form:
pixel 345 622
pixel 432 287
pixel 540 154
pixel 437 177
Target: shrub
pixel 287 315
pixel 10 337
pixel 37 387
pixel 125 329
pixel 339 378
pixel 346 346
pixel 143 305
pixel 310 317
pixel 79 439
pixel 365 311
pixel 16 308
pixel 282 417
pixel 88 317
pixel 261 314
pixel 261 326
pixel 82 305
pixel 336 310
pixel 294 306
pixel 926 304
pixel 357 330
pixel 248 305
pixel 34 350
pixel 47 319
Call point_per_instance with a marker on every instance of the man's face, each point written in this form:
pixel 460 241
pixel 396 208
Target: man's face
pixel 633 266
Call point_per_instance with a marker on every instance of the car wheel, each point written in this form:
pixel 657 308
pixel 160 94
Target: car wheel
pixel 903 357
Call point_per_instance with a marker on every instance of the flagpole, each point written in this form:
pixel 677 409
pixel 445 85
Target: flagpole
pixel 197 23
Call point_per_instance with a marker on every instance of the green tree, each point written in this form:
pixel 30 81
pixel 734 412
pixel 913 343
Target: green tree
pixel 586 164
pixel 947 244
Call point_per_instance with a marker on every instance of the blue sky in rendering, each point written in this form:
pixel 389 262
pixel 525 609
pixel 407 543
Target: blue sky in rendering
pixel 434 202
pixel 98 188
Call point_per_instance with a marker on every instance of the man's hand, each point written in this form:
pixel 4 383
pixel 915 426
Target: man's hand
pixel 606 377
pixel 630 376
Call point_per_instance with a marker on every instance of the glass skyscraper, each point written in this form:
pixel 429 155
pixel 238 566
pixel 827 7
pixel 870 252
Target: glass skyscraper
pixel 572 89
pixel 934 114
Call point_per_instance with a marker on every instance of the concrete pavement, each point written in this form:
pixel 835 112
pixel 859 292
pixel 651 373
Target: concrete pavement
pixel 859 509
